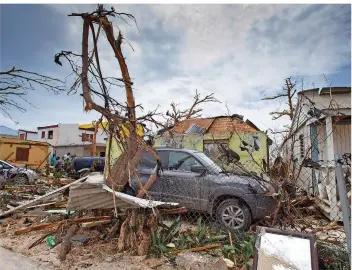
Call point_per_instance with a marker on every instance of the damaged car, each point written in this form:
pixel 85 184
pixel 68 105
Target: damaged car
pixel 196 182
pixel 12 175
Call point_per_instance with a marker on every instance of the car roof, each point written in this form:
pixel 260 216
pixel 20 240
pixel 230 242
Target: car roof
pixel 175 149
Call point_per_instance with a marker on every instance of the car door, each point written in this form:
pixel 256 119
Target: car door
pixel 146 168
pixel 180 184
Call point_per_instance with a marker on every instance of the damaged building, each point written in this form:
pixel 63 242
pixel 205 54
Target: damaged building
pixel 249 145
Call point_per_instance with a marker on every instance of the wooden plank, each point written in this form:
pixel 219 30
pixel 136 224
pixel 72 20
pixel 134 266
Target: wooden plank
pixel 56 224
pixel 95 223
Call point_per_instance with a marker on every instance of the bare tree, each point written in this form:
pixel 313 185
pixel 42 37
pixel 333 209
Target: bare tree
pixel 15 84
pixel 177 115
pixel 289 93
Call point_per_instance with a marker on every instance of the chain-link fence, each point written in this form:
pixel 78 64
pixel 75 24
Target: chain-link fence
pixel 221 204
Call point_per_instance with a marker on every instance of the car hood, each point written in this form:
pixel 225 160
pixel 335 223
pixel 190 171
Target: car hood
pixel 233 179
pixel 22 170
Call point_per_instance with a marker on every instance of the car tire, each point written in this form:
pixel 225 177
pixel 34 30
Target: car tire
pixel 234 215
pixel 20 179
pixel 129 191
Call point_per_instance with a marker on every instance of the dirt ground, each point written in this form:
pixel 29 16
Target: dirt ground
pixel 96 254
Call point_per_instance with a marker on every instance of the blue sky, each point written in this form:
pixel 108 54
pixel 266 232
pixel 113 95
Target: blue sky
pixel 241 53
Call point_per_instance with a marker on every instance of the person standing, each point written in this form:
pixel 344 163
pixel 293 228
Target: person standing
pixel 58 164
pixel 53 160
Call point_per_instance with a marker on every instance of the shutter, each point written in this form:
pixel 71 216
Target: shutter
pixel 22 154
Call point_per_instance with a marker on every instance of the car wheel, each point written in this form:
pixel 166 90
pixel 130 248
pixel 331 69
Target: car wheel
pixel 20 179
pixel 129 191
pixel 234 215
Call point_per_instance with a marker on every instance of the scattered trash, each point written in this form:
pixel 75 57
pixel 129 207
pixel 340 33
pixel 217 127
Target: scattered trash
pixel 50 241
pixel 79 239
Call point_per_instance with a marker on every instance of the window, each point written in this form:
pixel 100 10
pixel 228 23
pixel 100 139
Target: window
pixel 50 134
pixel 181 161
pixel 87 137
pixel 147 160
pixel 43 134
pixel 301 145
pixel 213 149
pixel 22 154
pixel 23 136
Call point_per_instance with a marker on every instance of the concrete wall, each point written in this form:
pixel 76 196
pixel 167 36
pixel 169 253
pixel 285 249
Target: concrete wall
pixel 73 150
pixel 37 152
pixel 28 135
pixel 54 141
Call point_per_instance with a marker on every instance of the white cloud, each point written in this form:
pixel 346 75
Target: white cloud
pixel 237 52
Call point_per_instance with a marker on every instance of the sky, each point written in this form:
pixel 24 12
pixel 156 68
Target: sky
pixel 241 53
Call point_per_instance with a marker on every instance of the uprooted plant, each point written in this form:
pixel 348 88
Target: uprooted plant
pixel 123 124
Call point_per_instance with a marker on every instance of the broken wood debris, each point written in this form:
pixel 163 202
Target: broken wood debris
pixel 56 224
pixel 94 223
pixel 66 243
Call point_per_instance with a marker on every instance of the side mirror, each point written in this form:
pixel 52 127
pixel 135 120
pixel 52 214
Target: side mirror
pixel 1 166
pixel 198 169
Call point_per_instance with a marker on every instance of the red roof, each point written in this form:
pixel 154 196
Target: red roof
pixel 183 126
pixel 215 125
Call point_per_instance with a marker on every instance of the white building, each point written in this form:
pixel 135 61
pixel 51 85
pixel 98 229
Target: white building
pixel 27 135
pixel 320 128
pixel 68 138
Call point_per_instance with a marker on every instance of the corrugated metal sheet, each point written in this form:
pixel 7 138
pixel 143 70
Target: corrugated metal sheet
pixel 94 194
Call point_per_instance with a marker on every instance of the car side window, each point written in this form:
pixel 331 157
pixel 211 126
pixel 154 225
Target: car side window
pixel 147 160
pixel 180 161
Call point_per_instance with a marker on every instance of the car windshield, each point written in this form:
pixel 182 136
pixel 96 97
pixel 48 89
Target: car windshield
pixel 6 165
pixel 208 161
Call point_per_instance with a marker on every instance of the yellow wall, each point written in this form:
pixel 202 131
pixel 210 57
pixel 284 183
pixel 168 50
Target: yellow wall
pixel 252 162
pixel 115 150
pixel 37 152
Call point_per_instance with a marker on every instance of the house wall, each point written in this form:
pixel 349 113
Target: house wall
pixel 252 162
pixel 77 150
pixel 342 138
pixel 32 136
pixel 54 141
pixel 37 152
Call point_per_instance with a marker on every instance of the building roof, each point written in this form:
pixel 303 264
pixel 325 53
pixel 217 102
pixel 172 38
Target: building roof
pixel 221 123
pixel 28 131
pixel 328 90
pixel 45 127
pixel 90 125
pixel 13 140
pixel 202 123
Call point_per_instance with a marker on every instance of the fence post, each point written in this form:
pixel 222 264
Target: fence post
pixel 343 200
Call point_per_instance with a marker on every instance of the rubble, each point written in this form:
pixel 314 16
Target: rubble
pixel 195 261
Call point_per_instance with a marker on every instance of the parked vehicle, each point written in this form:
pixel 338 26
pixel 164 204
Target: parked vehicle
pixel 10 174
pixel 196 182
pixel 83 165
